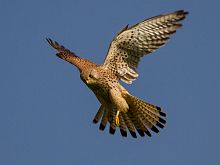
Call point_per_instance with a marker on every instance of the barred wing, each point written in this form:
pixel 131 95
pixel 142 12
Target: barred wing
pixel 134 42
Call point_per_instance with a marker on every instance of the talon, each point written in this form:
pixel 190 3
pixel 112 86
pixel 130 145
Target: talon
pixel 117 118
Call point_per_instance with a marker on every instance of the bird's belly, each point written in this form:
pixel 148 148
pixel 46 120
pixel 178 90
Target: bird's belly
pixel 101 93
pixel 110 96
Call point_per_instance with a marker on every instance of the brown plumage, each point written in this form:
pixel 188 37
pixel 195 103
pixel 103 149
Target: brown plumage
pixel 118 107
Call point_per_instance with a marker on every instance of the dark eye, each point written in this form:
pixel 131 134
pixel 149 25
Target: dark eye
pixel 90 75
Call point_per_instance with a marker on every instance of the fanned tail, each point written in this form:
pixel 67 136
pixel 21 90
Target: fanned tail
pixel 141 117
pixel 145 116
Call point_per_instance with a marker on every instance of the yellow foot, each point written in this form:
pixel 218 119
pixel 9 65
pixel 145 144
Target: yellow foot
pixel 117 118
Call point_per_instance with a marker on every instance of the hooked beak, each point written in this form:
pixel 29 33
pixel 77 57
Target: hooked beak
pixel 88 81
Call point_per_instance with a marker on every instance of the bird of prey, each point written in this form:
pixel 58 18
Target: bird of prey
pixel 118 107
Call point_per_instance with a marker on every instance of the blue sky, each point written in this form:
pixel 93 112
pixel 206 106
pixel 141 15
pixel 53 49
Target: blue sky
pixel 46 112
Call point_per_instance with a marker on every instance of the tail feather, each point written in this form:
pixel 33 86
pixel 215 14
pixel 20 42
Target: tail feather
pixel 104 119
pixel 150 117
pixel 148 123
pixel 147 108
pixel 122 126
pixel 137 117
pixel 99 114
pixel 147 115
pixel 111 120
pixel 138 125
pixel 129 124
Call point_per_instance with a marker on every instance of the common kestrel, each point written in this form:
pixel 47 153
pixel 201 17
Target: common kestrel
pixel 119 107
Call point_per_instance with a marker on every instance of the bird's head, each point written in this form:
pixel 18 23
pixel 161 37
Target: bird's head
pixel 89 76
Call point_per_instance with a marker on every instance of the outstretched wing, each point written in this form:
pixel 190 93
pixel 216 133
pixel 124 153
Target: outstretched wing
pixel 134 42
pixel 70 57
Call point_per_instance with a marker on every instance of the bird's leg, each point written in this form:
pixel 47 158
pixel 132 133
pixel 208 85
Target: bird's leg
pixel 119 103
pixel 117 118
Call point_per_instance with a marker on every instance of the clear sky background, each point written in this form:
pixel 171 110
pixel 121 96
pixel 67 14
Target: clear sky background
pixel 46 111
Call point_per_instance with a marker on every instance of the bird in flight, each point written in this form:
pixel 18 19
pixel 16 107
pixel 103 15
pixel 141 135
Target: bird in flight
pixel 118 107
